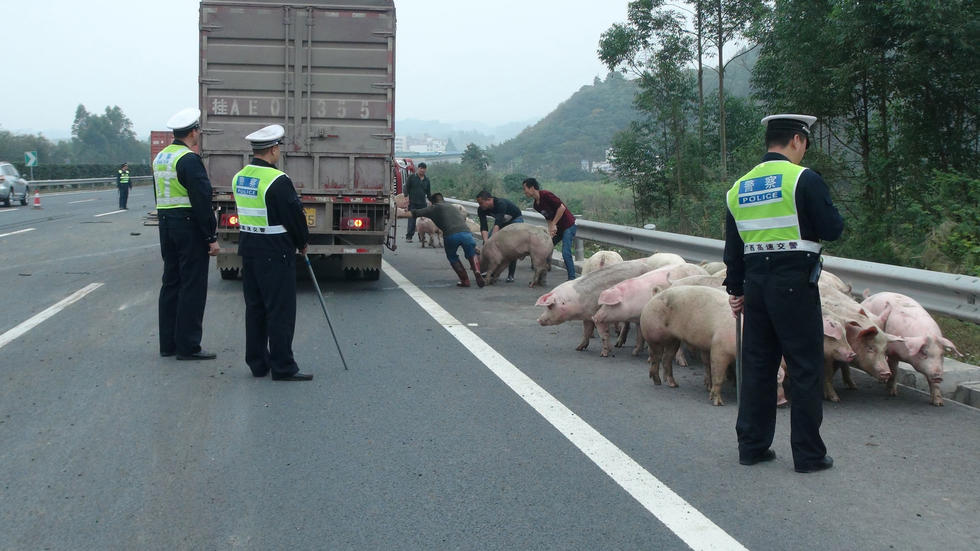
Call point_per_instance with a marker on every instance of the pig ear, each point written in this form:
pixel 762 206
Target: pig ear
pixel 915 344
pixel 893 338
pixel 948 344
pixel 868 332
pixel 866 293
pixel 545 299
pixel 832 329
pixel 657 288
pixel 611 296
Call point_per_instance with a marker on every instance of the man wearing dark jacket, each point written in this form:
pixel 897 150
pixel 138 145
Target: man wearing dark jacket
pixel 273 228
pixel 504 213
pixel 455 233
pixel 418 190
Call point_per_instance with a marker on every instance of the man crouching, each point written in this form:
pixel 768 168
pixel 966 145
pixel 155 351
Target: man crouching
pixel 455 233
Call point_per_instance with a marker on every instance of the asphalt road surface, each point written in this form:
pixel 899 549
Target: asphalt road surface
pixel 461 424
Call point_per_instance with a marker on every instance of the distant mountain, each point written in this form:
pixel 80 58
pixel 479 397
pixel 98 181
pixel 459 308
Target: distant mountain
pixel 580 128
pixel 462 133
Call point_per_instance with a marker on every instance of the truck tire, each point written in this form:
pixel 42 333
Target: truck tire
pixel 372 275
pixel 229 273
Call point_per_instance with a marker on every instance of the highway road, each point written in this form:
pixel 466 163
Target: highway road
pixel 461 423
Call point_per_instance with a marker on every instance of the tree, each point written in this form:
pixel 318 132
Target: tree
pixel 107 138
pixel 476 158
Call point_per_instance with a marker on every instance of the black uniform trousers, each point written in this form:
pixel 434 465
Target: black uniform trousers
pixel 123 195
pixel 269 284
pixel 782 319
pixel 185 283
pixel 410 229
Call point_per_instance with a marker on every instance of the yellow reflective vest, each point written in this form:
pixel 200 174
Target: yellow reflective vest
pixel 170 193
pixel 249 187
pixel 763 204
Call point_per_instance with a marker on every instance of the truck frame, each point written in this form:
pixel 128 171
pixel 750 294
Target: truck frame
pixel 325 71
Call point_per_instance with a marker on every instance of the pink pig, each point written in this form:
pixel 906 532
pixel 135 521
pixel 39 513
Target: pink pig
pixel 624 301
pixel 923 344
pixel 578 299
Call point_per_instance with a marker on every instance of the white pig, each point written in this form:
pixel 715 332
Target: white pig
pixel 698 316
pixel 578 299
pixel 624 301
pixel 923 344
pixel 427 229
pixel 659 260
pixel 601 259
pixel 514 242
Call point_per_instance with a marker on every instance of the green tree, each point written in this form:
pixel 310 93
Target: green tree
pixel 107 138
pixel 475 158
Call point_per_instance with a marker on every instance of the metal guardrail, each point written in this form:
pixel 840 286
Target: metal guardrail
pixel 82 182
pixel 949 294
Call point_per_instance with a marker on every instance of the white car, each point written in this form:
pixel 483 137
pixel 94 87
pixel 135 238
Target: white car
pixel 12 186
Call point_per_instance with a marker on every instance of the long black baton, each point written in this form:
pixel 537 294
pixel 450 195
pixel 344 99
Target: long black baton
pixel 738 357
pixel 324 306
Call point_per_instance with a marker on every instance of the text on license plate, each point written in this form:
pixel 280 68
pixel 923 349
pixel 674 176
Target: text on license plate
pixel 310 216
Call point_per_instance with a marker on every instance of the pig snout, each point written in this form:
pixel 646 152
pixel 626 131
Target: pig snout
pixel 882 371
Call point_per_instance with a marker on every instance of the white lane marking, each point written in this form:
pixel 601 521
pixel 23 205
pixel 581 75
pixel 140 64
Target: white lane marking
pixel 16 232
pixel 108 213
pixel 50 311
pixel 82 201
pixel 12 209
pixel 689 524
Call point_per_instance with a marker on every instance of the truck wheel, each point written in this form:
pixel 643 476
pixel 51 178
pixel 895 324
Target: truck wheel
pixel 229 273
pixel 352 274
pixel 372 275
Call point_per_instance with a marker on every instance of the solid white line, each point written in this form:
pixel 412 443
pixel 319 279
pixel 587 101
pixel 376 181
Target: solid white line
pixel 108 213
pixel 16 232
pixel 689 524
pixel 50 311
pixel 82 201
pixel 11 209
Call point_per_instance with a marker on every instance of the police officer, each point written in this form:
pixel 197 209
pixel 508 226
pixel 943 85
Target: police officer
pixel 777 214
pixel 273 228
pixel 122 182
pixel 187 237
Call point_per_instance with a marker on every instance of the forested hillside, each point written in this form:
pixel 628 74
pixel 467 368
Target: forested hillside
pixel 581 128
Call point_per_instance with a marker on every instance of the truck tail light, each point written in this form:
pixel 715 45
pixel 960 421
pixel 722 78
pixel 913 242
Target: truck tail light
pixel 229 220
pixel 355 223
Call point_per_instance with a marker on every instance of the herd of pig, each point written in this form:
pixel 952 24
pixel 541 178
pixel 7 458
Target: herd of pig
pixel 677 303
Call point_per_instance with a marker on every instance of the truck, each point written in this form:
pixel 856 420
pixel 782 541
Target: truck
pixel 325 71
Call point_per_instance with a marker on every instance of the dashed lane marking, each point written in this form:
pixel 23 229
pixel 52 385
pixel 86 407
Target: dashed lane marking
pixel 38 318
pixel 16 232
pixel 108 213
pixel 689 524
pixel 82 201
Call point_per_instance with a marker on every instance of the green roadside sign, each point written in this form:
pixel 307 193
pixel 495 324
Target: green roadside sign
pixel 30 158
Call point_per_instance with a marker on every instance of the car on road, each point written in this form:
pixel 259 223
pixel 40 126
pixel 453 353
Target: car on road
pixel 12 186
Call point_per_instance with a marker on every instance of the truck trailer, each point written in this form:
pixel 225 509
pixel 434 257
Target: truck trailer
pixel 325 71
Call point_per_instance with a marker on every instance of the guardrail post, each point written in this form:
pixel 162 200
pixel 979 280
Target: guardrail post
pixel 579 249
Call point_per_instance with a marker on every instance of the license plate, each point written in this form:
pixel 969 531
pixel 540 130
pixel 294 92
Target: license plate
pixel 310 216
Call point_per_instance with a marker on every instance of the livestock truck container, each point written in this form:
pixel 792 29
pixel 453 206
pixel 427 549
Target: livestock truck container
pixel 325 71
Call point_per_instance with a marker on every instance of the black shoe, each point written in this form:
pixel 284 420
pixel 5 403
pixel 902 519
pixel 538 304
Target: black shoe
pixel 167 354
pixel 767 455
pixel 510 279
pixel 821 465
pixel 295 377
pixel 199 355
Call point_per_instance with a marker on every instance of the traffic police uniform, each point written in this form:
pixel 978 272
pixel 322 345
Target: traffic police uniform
pixel 272 228
pixel 777 213
pixel 187 226
pixel 122 182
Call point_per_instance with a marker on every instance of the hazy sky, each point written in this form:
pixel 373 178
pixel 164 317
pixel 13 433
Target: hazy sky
pixel 492 61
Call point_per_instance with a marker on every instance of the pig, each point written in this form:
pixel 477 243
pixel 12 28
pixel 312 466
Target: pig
pixel 601 259
pixel 578 299
pixel 624 301
pixel 835 349
pixel 713 267
pixel 514 242
pixel 698 316
pixel 462 210
pixel 923 344
pixel 705 280
pixel 829 279
pixel 427 228
pixel 863 333
pixel 659 260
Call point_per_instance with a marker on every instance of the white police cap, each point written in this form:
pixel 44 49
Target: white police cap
pixel 185 119
pixel 266 137
pixel 799 123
